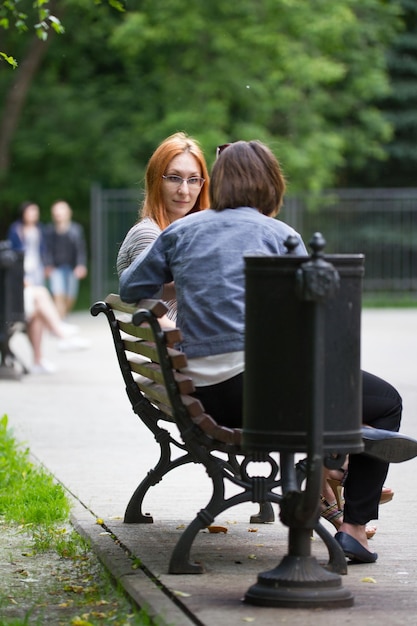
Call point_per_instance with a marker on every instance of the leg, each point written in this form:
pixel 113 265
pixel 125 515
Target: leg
pixel 45 308
pixel 35 328
pixel 224 401
pixel 57 287
pixel 382 408
pixel 61 304
pixel 71 289
pixel 332 498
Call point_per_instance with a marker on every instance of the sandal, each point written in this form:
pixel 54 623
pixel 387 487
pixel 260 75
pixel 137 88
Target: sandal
pixel 333 514
pixel 387 494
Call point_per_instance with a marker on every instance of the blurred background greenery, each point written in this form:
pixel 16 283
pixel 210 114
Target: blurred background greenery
pixel 330 86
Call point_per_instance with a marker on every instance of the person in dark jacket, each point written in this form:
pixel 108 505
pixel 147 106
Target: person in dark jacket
pixel 66 262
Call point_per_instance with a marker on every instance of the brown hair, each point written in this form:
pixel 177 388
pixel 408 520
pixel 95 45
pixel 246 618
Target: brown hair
pixel 247 173
pixel 153 205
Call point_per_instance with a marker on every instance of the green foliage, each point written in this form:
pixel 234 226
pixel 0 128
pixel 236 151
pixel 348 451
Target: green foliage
pixel 44 20
pixel 10 15
pixel 398 108
pixel 9 60
pixel 302 76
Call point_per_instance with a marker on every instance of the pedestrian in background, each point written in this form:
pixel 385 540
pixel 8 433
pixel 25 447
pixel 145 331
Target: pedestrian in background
pixel 27 235
pixel 66 262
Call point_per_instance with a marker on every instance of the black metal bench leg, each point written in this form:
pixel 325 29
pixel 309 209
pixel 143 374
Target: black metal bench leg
pixel 265 515
pixel 180 562
pixel 337 561
pixel 133 513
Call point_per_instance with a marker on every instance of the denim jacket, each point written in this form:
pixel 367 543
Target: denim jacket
pixel 204 254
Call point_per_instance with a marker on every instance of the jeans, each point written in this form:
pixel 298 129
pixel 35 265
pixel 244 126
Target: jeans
pixel 63 282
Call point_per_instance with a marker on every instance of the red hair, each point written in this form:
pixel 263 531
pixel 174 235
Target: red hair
pixel 153 205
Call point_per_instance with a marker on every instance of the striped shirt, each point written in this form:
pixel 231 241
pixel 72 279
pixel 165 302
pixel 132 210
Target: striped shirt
pixel 140 237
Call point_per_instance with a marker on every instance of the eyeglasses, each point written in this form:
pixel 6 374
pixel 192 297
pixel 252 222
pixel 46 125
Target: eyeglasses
pixel 220 149
pixel 177 181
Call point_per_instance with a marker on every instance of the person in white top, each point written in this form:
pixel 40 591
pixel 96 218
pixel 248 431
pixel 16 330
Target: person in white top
pixel 27 235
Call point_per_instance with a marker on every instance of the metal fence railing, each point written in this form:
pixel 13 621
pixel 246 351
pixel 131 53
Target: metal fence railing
pixel 379 223
pixel 113 212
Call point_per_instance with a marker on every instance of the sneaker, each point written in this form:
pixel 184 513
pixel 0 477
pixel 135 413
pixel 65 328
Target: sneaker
pixel 69 330
pixel 42 368
pixel 74 343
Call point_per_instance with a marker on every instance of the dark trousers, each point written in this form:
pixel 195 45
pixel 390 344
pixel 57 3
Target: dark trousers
pixel 381 408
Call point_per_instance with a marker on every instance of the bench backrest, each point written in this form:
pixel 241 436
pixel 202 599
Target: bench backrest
pixel 151 363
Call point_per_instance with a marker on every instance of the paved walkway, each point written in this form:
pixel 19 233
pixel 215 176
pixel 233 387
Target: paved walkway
pixel 79 424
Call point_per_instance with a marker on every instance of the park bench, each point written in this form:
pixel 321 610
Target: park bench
pixel 150 363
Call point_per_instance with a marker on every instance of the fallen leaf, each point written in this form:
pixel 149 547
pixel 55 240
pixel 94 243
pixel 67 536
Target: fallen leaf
pixel 74 588
pixel 78 621
pixel 252 556
pixel 368 579
pixel 252 530
pixel 99 521
pixel 217 529
pixel 248 619
pixel 182 594
pixel 22 572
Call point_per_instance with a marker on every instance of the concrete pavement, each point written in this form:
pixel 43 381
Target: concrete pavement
pixel 79 424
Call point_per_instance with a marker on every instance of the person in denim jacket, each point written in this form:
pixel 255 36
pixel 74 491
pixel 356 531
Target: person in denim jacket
pixel 204 255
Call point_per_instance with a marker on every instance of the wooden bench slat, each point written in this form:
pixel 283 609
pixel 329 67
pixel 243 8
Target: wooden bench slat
pixel 153 390
pixel 139 342
pixel 172 335
pixel 178 359
pixel 152 370
pixel 207 424
pixel 193 406
pixel 157 307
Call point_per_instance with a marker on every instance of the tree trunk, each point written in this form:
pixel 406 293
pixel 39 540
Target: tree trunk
pixel 16 97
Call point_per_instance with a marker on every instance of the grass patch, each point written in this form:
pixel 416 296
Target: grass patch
pixel 390 299
pixel 48 573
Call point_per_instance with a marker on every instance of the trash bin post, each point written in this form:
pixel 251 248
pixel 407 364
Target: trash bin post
pixel 296 299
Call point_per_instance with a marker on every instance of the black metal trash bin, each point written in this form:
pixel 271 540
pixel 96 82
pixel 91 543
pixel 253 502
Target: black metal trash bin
pixel 11 304
pixel 279 383
pixel 302 393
